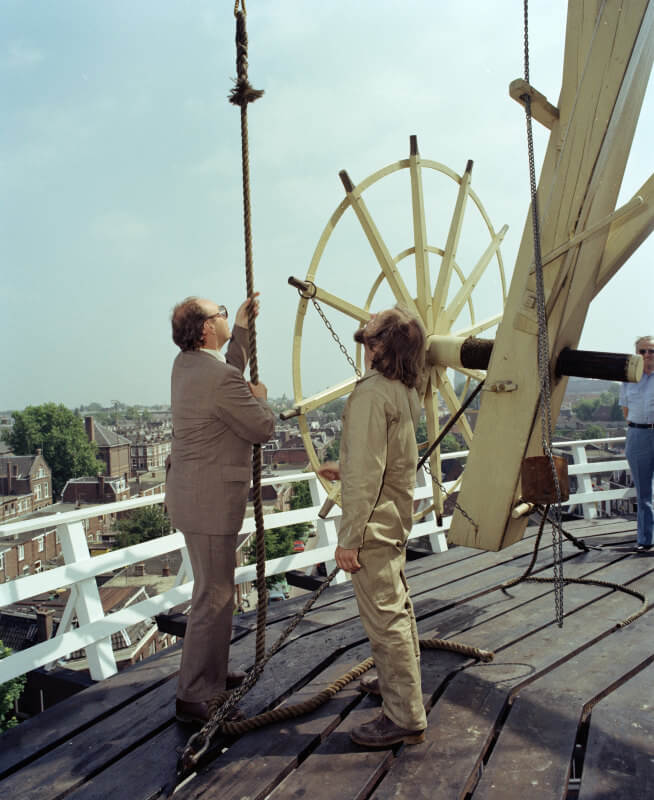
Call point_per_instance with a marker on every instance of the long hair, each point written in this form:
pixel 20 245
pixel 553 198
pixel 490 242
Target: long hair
pixel 188 320
pixel 399 342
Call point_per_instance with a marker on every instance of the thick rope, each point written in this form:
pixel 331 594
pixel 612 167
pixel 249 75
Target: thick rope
pixel 241 95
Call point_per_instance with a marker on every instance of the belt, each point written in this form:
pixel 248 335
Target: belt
pixel 648 425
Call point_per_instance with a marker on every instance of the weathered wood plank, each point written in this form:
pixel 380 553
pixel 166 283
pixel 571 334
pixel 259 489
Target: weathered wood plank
pixel 619 760
pixel 535 747
pixel 464 719
pixel 64 720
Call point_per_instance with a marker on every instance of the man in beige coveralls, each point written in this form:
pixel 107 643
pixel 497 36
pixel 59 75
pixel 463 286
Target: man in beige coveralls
pixel 217 416
pixel 378 470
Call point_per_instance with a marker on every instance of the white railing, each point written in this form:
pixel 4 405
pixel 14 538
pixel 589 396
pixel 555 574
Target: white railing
pixel 80 569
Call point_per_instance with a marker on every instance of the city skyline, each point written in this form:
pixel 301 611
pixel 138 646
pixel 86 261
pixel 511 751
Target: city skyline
pixel 120 169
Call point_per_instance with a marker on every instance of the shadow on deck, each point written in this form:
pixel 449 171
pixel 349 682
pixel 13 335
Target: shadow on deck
pixel 559 713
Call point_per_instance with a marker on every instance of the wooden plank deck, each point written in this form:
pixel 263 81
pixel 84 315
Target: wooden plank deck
pixel 559 713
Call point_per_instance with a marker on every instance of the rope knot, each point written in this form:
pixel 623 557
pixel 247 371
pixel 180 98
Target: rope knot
pixel 243 92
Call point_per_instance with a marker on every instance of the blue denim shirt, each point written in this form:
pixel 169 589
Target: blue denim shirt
pixel 639 399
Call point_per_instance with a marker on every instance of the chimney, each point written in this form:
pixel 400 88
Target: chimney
pixel 90 428
pixel 44 623
pixel 101 487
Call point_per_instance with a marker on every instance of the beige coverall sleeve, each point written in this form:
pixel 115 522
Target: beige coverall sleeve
pixel 363 463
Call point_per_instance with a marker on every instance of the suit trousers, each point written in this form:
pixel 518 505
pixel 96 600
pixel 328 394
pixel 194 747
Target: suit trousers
pixel 387 615
pixel 205 655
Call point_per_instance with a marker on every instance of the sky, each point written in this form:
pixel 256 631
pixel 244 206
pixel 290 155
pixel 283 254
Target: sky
pixel 120 174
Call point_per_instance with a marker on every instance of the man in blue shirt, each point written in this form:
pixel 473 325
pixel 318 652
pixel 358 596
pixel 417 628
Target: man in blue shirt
pixel 637 401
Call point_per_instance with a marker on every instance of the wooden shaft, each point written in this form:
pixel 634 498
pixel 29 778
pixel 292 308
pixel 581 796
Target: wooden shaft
pixel 606 366
pixel 459 351
pixel 473 353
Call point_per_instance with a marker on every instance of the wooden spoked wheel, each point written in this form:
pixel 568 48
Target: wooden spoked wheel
pixel 446 305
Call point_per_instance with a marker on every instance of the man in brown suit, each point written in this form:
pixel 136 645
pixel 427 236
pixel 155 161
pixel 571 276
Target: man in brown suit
pixel 217 416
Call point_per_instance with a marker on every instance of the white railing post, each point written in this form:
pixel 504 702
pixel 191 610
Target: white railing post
pixel 584 480
pixel 88 605
pixel 325 528
pixel 437 541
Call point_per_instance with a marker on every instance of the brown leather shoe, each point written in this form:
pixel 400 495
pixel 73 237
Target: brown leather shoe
pixel 191 712
pixel 370 684
pixel 235 679
pixel 383 732
pixel 200 713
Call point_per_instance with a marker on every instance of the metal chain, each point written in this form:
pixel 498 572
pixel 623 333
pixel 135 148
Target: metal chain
pixel 545 398
pixel 335 336
pixel 448 495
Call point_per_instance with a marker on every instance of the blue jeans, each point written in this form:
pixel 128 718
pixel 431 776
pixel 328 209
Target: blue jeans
pixel 640 455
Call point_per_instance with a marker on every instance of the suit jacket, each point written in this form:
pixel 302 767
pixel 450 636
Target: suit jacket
pixel 216 420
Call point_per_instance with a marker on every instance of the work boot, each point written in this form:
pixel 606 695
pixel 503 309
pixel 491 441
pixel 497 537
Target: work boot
pixel 383 732
pixel 200 713
pixel 370 684
pixel 235 679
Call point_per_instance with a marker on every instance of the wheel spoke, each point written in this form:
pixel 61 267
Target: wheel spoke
pixel 349 309
pixel 446 320
pixel 379 248
pixel 320 399
pixel 479 327
pixel 445 274
pixel 449 395
pixel 421 250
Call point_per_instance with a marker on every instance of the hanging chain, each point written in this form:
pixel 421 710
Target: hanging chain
pixel 545 398
pixel 448 495
pixel 335 337
pixel 310 294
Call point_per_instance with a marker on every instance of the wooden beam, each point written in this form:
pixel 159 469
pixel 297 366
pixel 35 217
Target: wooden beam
pixel 541 109
pixel 583 167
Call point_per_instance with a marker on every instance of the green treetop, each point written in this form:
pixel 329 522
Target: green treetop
pixel 61 436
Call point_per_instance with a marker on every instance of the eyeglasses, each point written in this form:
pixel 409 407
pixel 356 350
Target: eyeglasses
pixel 222 312
pixel 649 351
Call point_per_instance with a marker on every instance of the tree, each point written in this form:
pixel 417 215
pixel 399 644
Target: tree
pixel 333 450
pixel 592 431
pixel 9 693
pixel 141 525
pixel 586 408
pixel 61 436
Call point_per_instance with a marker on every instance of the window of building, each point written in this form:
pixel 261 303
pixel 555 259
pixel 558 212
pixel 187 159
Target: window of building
pixel 41 473
pixel 37 491
pixel 2 562
pixel 41 543
pixel 46 490
pixel 21 552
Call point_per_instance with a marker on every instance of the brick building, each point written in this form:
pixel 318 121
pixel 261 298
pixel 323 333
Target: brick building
pixel 27 553
pixel 113 448
pixel 25 485
pixel 149 453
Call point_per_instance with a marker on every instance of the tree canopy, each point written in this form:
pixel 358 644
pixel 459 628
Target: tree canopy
pixel 141 525
pixel 9 693
pixel 60 434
